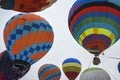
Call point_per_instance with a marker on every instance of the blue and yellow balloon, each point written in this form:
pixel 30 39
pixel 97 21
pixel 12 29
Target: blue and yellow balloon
pixel 71 67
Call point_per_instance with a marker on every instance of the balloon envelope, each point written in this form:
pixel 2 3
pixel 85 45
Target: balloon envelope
pixel 3 77
pixel 28 37
pixel 6 72
pixel 71 67
pixel 95 24
pixel 119 67
pixel 26 5
pixel 49 72
pixel 94 74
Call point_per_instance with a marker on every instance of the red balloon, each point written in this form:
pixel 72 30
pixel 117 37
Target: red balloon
pixel 26 5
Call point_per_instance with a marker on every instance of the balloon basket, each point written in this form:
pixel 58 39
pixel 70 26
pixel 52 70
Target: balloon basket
pixel 21 68
pixel 96 60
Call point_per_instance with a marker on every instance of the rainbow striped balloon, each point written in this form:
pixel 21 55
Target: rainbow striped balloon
pixel 49 72
pixel 71 67
pixel 28 37
pixel 95 24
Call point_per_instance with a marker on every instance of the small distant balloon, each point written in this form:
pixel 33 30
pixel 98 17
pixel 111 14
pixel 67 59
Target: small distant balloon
pixel 28 38
pixel 94 74
pixel 26 5
pixel 119 67
pixel 49 72
pixel 71 67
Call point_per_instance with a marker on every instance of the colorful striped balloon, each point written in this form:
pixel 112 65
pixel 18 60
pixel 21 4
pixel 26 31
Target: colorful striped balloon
pixel 49 72
pixel 71 67
pixel 95 24
pixel 94 74
pixel 26 5
pixel 28 37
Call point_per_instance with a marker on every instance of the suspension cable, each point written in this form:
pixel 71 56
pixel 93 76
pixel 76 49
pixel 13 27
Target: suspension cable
pixel 116 58
pixel 87 68
pixel 109 72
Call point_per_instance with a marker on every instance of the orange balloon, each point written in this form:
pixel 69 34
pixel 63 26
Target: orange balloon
pixel 26 5
pixel 28 37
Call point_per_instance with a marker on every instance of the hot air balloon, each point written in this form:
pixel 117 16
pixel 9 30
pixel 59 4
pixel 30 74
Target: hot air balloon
pixel 71 67
pixel 28 37
pixel 2 76
pixel 6 72
pixel 49 72
pixel 94 74
pixel 119 67
pixel 26 5
pixel 95 24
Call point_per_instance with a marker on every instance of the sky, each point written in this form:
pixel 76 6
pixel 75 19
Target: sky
pixel 64 45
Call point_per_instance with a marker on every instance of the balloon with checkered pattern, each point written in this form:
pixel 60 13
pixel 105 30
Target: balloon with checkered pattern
pixel 26 5
pixel 49 72
pixel 28 38
pixel 95 24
